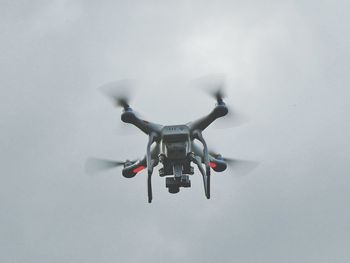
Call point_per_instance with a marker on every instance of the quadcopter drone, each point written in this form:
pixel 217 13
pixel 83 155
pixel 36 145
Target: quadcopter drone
pixel 174 148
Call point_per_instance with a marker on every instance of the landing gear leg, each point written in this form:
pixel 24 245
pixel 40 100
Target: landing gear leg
pixel 150 166
pixel 149 187
pixel 205 175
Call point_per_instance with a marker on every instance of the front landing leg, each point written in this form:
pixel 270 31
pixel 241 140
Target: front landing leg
pixel 153 163
pixel 199 136
pixel 150 165
pixel 205 176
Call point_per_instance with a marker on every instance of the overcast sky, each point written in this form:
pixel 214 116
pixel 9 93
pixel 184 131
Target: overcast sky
pixel 287 68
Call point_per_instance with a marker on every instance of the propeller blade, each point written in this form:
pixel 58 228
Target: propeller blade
pixel 238 166
pixel 95 165
pixel 232 119
pixel 119 92
pixel 217 91
pixel 213 85
pixel 241 167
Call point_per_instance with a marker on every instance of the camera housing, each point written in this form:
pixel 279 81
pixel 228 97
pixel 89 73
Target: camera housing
pixel 174 183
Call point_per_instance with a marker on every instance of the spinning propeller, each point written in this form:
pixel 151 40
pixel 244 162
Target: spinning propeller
pixel 215 87
pixel 95 165
pixel 237 166
pixel 119 92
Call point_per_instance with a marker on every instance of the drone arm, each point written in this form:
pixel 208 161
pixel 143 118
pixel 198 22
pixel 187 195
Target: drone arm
pixel 220 110
pixel 129 116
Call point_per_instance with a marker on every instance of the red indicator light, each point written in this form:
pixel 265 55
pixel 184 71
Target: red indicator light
pixel 138 169
pixel 212 164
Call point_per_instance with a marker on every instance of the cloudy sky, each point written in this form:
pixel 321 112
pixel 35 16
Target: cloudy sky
pixel 287 68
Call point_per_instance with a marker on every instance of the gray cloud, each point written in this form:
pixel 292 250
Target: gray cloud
pixel 286 64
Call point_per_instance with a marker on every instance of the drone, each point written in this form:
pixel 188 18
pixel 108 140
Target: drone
pixel 172 147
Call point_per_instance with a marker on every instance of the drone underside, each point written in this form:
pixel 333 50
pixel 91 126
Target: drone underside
pixel 173 147
pixel 175 153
